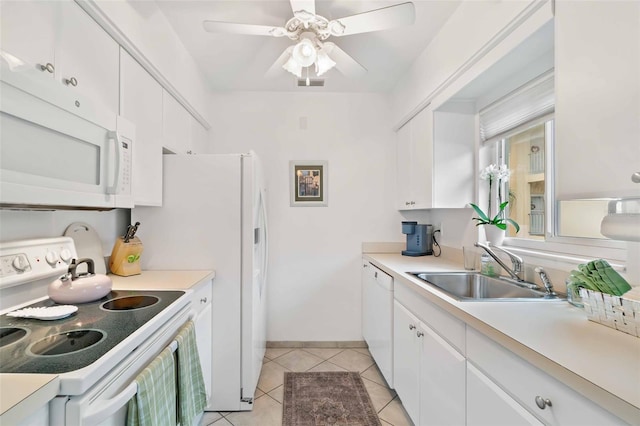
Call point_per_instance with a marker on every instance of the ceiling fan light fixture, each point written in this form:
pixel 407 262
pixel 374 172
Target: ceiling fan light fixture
pixel 323 63
pixel 293 67
pixel 304 53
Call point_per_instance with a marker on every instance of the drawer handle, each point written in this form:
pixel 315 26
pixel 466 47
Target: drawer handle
pixel 71 81
pixel 419 333
pixel 412 327
pixel 375 274
pixel 635 178
pixel 49 67
pixel 203 300
pixel 542 403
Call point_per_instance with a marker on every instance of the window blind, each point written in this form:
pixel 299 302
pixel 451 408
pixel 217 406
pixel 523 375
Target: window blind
pixel 532 100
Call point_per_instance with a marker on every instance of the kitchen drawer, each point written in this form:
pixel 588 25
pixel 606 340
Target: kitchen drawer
pixel 524 382
pixel 449 327
pixel 201 296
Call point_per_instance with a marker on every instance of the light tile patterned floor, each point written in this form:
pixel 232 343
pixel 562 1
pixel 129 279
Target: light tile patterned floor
pixel 267 409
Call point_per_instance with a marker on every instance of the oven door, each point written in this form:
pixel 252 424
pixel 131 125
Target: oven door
pixel 53 153
pixel 105 403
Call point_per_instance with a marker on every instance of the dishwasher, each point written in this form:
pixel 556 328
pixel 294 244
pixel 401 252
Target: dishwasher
pixel 377 317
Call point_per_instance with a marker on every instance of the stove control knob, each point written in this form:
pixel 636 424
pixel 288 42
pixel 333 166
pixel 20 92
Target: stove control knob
pixel 65 256
pixel 51 258
pixel 20 263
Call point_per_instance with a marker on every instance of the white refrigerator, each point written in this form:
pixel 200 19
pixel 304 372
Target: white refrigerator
pixel 213 216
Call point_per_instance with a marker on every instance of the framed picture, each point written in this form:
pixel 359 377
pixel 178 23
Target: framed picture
pixel 308 180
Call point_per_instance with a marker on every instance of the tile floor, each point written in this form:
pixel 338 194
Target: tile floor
pixel 267 410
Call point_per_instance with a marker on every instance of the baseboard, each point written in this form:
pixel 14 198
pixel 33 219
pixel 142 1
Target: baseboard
pixel 342 344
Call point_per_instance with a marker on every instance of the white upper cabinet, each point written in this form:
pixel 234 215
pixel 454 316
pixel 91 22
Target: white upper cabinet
pixel 141 103
pixel 597 55
pixel 435 160
pixel 87 57
pixel 59 39
pixel 176 125
pixel 28 35
pixel 414 162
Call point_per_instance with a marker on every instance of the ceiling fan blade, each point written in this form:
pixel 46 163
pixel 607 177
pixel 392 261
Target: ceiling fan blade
pixel 248 29
pixel 276 69
pixel 306 5
pixel 344 63
pixel 375 20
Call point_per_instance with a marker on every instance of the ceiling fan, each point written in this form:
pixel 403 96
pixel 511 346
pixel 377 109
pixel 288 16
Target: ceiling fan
pixel 310 32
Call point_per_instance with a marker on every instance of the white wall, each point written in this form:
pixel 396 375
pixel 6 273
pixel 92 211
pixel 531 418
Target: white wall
pixel 476 26
pixel 315 252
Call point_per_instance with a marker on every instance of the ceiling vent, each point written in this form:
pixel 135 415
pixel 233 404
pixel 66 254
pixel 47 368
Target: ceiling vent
pixel 313 82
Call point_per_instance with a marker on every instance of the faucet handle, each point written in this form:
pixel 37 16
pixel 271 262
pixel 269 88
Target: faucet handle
pixel 548 285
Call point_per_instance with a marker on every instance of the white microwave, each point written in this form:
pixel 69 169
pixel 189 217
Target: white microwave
pixel 59 149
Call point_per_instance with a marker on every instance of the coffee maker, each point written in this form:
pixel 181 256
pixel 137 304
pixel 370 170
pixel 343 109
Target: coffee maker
pixel 419 239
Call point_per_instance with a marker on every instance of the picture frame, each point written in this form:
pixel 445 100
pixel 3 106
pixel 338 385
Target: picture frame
pixel 308 182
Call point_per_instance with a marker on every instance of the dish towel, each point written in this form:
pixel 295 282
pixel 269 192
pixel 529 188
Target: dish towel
pixel 155 401
pixel 192 395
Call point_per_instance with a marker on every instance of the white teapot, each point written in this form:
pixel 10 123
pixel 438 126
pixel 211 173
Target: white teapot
pixel 80 288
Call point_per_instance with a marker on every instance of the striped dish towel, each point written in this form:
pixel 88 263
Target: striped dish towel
pixel 192 396
pixel 155 402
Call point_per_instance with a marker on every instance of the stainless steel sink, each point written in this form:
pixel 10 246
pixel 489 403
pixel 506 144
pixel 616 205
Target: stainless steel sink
pixel 473 286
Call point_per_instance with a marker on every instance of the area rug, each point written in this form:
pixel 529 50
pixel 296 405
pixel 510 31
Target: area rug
pixel 334 398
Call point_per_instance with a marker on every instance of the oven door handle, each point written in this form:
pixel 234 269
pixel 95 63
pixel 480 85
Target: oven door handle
pixel 110 406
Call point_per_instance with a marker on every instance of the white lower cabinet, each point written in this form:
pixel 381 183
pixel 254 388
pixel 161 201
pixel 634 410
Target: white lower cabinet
pixel 489 405
pixel 203 312
pixel 429 373
pixel 545 397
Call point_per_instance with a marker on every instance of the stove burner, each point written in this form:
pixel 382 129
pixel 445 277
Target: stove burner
pixel 9 335
pixel 130 303
pixel 64 343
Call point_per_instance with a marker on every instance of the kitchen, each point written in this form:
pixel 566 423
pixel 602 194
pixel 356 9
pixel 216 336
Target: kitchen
pixel 354 132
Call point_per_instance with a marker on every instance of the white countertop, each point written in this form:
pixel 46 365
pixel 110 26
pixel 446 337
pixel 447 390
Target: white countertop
pixel 22 394
pixel 601 363
pixel 161 280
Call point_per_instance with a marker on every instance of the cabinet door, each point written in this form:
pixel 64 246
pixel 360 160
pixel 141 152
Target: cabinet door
pixel 414 155
pixel 489 405
pixel 406 360
pixel 176 125
pixel 28 33
pixel 422 159
pixel 141 103
pixel 597 63
pixel 442 381
pixel 403 167
pixel 87 53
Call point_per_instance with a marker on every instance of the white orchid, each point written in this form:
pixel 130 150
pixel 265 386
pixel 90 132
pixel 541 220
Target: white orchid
pixel 500 174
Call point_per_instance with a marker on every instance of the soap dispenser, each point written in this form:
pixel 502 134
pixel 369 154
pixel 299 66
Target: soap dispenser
pixel 487 265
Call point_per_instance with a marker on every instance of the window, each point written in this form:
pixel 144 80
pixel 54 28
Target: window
pixel 518 131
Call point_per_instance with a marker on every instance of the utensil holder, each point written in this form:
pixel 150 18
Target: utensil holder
pixel 125 257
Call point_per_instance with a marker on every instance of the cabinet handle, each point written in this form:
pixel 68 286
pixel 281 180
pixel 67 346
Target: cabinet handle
pixel 71 81
pixel 542 403
pixel 375 274
pixel 413 203
pixel 365 266
pixel 407 203
pixel 49 67
pixel 412 327
pixel 203 300
pixel 419 333
pixel 635 178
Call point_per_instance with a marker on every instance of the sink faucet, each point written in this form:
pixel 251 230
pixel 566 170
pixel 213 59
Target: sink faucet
pixel 516 271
